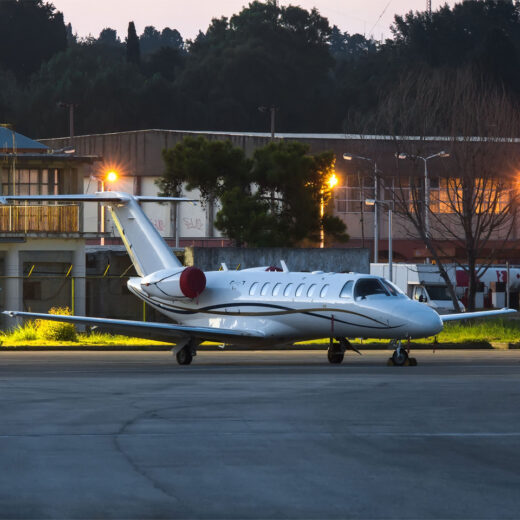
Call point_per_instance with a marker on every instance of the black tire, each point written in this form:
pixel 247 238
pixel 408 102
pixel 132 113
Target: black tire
pixel 400 357
pixel 335 357
pixel 184 356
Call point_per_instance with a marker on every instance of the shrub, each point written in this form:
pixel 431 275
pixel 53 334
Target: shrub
pixel 57 330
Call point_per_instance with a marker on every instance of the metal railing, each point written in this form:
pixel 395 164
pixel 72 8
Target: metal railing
pixel 57 218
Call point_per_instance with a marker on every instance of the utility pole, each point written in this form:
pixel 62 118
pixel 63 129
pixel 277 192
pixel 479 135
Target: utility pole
pixel 272 110
pixel 71 107
pixel 9 126
pixel 429 7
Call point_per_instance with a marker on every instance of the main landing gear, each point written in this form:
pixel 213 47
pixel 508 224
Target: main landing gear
pixel 336 351
pixel 186 351
pixel 400 357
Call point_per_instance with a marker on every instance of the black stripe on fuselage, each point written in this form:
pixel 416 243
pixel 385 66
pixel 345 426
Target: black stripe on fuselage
pixel 211 309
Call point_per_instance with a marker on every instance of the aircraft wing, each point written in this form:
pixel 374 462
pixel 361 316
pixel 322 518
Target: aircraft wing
pixel 479 314
pixel 144 329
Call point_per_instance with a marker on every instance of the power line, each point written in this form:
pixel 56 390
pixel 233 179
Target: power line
pixel 380 16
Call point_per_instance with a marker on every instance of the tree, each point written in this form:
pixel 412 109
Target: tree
pixel 31 32
pixel 109 37
pixel 133 52
pixel 272 199
pixel 474 206
pixel 265 55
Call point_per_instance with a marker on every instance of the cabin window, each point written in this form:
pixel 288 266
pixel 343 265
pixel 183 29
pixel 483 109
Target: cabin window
pixel 265 288
pixel 369 287
pixel 324 290
pixel 252 290
pixel 346 292
pixel 299 289
pixel 287 290
pixel 310 292
pixel 276 289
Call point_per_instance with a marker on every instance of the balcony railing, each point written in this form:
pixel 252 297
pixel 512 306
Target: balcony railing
pixel 39 219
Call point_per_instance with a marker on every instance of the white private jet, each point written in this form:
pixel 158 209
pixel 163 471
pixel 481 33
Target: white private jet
pixel 258 306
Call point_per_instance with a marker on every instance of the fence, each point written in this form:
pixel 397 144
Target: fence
pixel 40 218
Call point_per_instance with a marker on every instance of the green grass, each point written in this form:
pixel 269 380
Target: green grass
pixel 499 330
pixel 474 331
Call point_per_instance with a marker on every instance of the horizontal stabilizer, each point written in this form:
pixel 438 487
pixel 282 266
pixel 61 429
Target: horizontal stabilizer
pixel 144 329
pixel 479 314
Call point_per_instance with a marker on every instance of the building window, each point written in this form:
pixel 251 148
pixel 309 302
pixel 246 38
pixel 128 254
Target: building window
pixel 31 181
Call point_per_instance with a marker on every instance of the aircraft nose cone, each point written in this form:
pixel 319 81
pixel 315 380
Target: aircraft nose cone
pixel 423 322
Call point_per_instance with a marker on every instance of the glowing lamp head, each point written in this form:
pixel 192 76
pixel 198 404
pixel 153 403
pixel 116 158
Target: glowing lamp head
pixel 111 176
pixel 332 181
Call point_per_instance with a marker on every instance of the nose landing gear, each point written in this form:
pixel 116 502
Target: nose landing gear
pixel 400 357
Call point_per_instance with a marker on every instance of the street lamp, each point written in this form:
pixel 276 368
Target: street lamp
pixel 374 202
pixel 110 177
pixel 331 182
pixel 441 154
pixel 350 157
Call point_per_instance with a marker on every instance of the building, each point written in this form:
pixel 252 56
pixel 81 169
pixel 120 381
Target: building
pixel 138 155
pixel 42 245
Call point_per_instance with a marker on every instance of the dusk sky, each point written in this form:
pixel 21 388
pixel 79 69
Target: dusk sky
pixel 188 16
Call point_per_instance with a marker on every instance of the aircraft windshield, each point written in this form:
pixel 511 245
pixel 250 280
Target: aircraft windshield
pixel 369 287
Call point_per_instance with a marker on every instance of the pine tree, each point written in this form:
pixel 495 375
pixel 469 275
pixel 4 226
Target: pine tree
pixel 133 51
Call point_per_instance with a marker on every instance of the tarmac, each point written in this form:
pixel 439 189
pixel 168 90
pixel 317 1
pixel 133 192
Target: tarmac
pixel 278 434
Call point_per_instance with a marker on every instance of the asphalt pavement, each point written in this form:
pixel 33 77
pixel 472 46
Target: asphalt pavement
pixel 259 435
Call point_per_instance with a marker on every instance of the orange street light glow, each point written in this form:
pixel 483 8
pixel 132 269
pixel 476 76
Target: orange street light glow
pixel 111 176
pixel 333 180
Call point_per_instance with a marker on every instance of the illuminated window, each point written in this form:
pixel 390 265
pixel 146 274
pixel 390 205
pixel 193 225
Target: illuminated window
pixel 31 181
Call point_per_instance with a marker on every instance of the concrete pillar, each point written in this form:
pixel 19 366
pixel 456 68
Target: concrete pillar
pixel 78 272
pixel 13 285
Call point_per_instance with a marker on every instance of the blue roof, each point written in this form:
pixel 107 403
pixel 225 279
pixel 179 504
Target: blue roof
pixel 22 142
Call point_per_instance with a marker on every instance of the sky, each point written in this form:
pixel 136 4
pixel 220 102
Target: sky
pixel 368 17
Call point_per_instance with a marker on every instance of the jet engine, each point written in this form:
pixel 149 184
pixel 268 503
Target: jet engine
pixel 187 283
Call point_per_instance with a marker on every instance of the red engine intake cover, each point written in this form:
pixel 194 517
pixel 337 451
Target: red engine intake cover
pixel 192 282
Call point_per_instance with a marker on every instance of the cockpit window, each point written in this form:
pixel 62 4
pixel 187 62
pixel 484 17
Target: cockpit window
pixel 346 292
pixel 369 287
pixel 390 288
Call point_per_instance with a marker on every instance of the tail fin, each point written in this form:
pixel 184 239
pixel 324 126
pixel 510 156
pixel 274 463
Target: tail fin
pixel 146 247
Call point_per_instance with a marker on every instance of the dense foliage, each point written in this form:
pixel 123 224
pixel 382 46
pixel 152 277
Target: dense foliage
pixel 318 78
pixel 272 199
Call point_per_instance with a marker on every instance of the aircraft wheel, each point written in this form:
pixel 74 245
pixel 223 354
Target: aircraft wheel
pixel 400 357
pixel 185 356
pixel 335 357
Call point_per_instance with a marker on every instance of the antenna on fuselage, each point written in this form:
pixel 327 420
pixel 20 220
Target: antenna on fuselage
pixel 285 269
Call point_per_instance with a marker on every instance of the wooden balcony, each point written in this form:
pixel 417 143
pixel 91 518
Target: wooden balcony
pixel 40 219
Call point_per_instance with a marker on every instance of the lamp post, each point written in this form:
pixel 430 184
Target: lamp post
pixel 331 182
pixel 110 177
pixel 373 202
pixel 349 157
pixel 442 154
